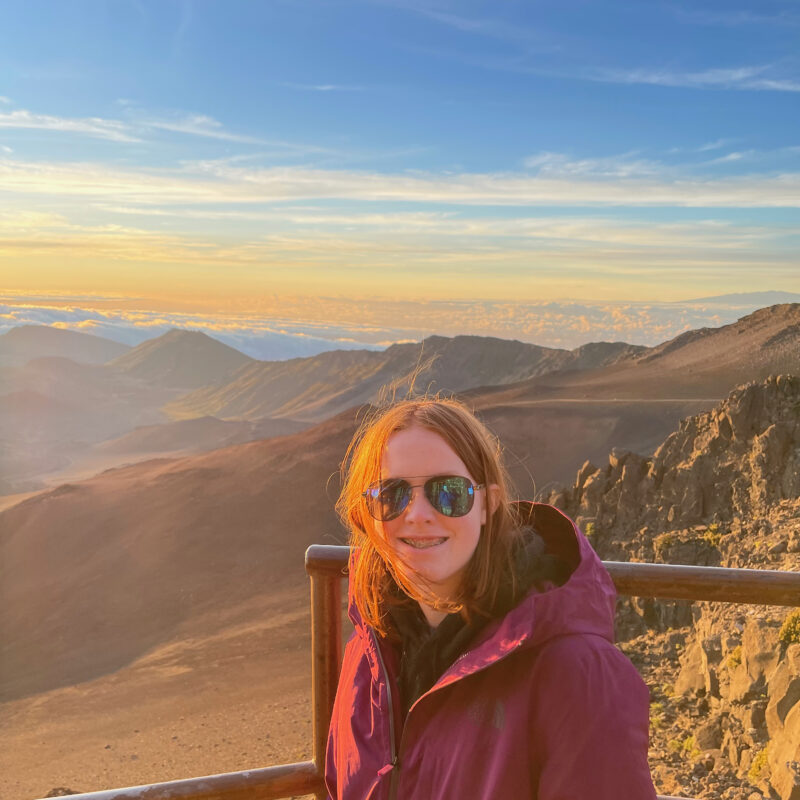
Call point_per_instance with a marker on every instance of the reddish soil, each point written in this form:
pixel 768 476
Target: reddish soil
pixel 232 700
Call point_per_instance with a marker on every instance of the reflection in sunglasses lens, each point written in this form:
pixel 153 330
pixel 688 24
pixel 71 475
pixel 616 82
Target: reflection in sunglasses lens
pixel 451 496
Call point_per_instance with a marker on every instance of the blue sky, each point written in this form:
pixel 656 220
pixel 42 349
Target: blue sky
pixel 215 152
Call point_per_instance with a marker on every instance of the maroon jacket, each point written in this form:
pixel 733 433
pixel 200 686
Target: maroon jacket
pixel 541 707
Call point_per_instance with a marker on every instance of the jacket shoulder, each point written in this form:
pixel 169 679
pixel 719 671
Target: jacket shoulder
pixel 589 721
pixel 582 662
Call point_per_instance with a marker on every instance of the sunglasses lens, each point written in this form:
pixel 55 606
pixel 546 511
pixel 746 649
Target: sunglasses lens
pixel 451 496
pixel 388 499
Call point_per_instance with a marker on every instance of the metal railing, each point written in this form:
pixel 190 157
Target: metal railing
pixel 326 566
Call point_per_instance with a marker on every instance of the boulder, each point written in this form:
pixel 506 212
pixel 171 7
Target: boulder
pixel 583 473
pixel 691 678
pixel 783 690
pixel 592 495
pixel 760 654
pixel 709 735
pixel 784 758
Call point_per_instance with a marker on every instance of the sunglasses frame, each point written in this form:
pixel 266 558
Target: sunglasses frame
pixel 372 493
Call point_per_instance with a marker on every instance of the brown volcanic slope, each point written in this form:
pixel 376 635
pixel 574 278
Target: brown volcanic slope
pixel 197 435
pixel 182 360
pixel 319 387
pixel 94 574
pixel 705 363
pixel 552 423
pixel 546 441
pixel 104 403
pixel 26 342
pixel 55 408
pixel 134 556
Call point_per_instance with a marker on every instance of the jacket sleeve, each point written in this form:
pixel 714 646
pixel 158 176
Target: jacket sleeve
pixel 339 745
pixel 333 732
pixel 590 720
pixel 330 767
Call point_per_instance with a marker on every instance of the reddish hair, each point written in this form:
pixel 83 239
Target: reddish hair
pixel 375 569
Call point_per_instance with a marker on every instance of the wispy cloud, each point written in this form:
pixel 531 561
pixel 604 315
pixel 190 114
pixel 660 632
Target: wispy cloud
pixel 198 125
pixel 139 126
pixel 5 100
pixel 715 145
pixel 455 232
pixel 733 157
pixel 759 77
pixel 625 165
pixel 742 78
pixel 731 18
pixel 113 130
pixel 411 244
pixel 531 42
pixel 323 87
pixel 208 183
pixel 134 129
pixel 534 39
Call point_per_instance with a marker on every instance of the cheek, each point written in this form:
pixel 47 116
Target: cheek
pixel 384 532
pixel 469 531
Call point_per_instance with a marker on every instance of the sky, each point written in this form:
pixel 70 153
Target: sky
pixel 314 162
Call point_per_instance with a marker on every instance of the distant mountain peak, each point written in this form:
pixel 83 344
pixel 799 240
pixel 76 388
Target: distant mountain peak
pixel 181 359
pixel 177 334
pixel 768 297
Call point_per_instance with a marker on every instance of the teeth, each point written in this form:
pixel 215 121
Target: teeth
pixel 422 544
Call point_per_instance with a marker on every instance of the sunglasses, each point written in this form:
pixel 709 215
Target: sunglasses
pixel 450 495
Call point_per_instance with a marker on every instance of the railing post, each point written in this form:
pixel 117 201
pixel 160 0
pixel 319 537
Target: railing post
pixel 326 650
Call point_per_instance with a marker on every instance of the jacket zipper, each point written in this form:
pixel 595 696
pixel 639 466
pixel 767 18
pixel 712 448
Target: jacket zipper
pixel 393 750
pixel 392 733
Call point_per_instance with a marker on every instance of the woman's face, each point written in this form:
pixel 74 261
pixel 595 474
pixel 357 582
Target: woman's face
pixel 433 547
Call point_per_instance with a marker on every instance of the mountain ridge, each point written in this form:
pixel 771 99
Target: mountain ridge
pixel 331 382
pixel 26 342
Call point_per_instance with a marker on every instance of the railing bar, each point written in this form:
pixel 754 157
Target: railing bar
pixel 682 582
pixel 667 581
pixel 268 783
pixel 327 564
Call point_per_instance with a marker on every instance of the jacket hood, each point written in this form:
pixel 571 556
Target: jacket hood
pixel 584 604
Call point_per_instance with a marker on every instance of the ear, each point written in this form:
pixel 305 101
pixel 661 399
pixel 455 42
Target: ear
pixel 492 500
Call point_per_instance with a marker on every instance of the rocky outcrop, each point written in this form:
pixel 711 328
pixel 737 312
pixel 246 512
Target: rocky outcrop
pixel 724 489
pixel 731 464
pixel 750 681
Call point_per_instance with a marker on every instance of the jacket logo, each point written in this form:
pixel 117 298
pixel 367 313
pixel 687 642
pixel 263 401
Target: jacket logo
pixel 485 712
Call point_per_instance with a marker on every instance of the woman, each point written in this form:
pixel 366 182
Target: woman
pixel 482 665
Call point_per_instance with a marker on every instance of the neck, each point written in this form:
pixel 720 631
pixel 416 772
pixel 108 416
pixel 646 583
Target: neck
pixel 433 615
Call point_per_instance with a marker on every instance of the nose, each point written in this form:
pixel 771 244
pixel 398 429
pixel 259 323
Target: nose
pixel 419 508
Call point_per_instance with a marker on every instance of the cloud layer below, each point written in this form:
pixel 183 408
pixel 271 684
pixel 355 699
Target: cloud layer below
pixel 290 327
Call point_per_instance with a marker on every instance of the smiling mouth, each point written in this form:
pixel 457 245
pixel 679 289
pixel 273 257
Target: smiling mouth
pixel 423 544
